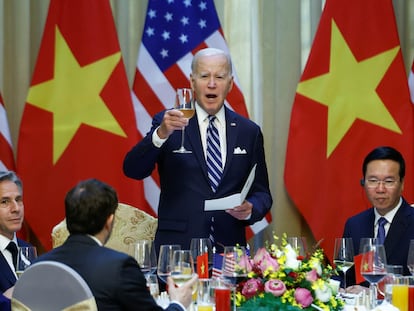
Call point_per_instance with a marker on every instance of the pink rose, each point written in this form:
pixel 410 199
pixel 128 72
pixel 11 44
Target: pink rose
pixel 303 297
pixel 245 264
pixel 275 287
pixel 312 275
pixel 252 287
pixel 265 261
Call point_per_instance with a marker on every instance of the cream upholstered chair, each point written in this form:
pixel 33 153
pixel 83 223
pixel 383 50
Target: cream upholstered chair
pixel 51 286
pixel 131 224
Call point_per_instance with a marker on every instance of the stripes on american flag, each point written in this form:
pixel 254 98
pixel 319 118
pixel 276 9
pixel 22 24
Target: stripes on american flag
pixel 174 31
pixel 6 147
pixel 217 265
pixel 411 82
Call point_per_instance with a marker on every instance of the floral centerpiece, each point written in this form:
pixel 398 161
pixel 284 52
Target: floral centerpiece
pixel 280 279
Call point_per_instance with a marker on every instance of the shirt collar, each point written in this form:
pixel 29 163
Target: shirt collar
pixel 5 241
pixel 202 115
pixel 390 215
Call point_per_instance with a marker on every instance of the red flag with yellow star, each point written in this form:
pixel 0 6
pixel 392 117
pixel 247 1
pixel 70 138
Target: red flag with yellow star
pixel 352 97
pixel 78 121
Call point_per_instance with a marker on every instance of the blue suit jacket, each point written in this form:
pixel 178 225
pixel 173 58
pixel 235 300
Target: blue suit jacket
pixel 7 277
pixel 398 238
pixel 113 277
pixel 185 186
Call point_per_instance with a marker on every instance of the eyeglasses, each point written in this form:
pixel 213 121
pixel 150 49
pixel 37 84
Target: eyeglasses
pixel 374 183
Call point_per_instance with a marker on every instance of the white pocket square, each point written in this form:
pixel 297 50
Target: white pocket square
pixel 237 150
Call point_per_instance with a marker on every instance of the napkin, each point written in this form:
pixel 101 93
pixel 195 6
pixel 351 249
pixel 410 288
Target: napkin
pixel 385 306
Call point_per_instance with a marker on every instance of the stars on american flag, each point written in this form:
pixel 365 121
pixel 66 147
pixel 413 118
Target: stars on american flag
pixel 171 30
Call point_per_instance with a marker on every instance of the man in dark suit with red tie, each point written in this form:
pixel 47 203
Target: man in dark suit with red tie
pixel 216 167
pixel 11 219
pixel 391 218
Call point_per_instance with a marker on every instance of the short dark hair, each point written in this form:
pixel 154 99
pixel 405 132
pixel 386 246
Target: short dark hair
pixel 385 153
pixel 12 176
pixel 88 206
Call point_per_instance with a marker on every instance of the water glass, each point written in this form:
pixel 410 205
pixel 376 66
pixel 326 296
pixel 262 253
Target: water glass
pixel 25 256
pixel 205 297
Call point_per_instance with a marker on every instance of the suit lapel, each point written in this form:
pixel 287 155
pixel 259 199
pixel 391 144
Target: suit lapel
pixel 231 136
pixel 5 268
pixel 398 227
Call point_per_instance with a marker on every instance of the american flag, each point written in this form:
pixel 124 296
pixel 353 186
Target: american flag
pixel 6 148
pixel 174 31
pixel 217 265
pixel 411 82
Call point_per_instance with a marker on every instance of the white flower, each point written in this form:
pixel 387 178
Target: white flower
pixel 291 258
pixel 315 264
pixel 334 285
pixel 323 293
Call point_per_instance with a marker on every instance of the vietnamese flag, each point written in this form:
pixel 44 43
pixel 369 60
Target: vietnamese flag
pixel 352 97
pixel 78 121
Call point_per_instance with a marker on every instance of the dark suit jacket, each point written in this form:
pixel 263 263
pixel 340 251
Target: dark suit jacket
pixel 7 277
pixel 185 185
pixel 114 277
pixel 398 238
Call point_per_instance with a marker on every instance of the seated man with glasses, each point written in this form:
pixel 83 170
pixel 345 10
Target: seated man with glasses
pixel 391 218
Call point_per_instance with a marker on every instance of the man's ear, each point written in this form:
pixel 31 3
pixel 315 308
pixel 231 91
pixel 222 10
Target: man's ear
pixel 110 222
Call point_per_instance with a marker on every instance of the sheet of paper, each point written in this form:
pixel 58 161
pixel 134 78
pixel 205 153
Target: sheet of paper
pixel 233 200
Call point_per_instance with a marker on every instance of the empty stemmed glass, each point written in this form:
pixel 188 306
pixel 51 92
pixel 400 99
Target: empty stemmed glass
pixel 298 244
pixel 410 258
pixel 184 102
pixel 165 258
pixel 343 255
pixel 373 266
pixel 144 253
pixel 201 250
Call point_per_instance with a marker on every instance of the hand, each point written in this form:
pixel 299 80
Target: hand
pixel 184 293
pixel 241 212
pixel 173 120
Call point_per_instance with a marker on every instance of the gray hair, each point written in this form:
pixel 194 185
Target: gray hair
pixel 210 52
pixel 11 176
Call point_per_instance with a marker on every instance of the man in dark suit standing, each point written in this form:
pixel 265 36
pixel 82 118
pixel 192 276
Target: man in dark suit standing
pixel 115 278
pixel 11 219
pixel 185 179
pixel 383 172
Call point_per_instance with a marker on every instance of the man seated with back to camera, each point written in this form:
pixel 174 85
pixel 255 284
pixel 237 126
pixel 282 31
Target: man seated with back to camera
pixel 383 173
pixel 115 278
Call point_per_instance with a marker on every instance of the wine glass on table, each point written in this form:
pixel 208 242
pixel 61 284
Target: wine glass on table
pixel 184 102
pixel 165 257
pixel 144 253
pixel 235 266
pixel 410 258
pixel 202 253
pixel 343 255
pixel 373 266
pixel 298 244
pixel 25 256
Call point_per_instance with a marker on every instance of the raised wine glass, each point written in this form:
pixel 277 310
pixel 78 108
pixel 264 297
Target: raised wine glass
pixel 182 266
pixel 25 256
pixel 343 255
pixel 184 102
pixel 373 267
pixel 165 257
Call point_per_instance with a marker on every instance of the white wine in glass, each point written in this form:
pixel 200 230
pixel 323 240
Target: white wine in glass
pixel 184 102
pixel 343 255
pixel 165 260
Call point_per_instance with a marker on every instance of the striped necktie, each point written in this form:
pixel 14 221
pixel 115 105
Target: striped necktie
pixel 213 154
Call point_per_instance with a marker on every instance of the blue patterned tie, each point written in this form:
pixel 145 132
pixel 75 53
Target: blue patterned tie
pixel 381 230
pixel 213 154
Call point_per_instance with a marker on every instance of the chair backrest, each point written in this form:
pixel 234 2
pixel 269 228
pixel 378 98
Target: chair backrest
pixel 131 224
pixel 51 286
